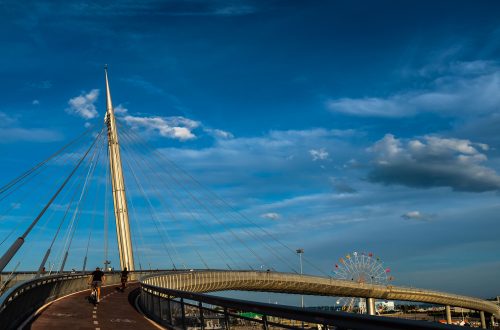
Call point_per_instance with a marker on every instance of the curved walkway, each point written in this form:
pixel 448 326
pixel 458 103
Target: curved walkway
pixel 207 281
pixel 76 313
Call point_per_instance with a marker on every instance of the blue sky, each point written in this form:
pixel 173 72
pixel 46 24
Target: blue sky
pixel 338 126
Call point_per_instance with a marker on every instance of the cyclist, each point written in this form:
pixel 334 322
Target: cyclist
pixel 97 279
pixel 124 278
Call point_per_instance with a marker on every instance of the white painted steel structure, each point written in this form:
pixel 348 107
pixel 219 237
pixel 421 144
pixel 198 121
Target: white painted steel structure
pixel 118 184
pixel 208 281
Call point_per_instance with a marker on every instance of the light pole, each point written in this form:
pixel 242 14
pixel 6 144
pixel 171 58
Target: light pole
pixel 300 252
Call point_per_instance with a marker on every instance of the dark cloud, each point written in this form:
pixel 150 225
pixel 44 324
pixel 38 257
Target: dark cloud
pixel 342 187
pixel 433 162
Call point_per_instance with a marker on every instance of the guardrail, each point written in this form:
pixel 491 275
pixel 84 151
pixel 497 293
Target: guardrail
pixel 186 310
pixel 24 299
pixel 10 279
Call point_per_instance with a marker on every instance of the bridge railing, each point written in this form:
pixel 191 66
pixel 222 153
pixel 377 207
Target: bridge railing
pixel 176 309
pixel 23 300
pixel 217 280
pixel 8 280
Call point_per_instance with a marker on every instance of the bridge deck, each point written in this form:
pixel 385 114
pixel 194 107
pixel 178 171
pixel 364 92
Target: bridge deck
pixel 115 311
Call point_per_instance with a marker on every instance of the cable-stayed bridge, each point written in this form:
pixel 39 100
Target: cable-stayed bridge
pixel 178 239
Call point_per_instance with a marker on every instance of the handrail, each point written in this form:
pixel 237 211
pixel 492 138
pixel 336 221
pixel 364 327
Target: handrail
pixel 160 296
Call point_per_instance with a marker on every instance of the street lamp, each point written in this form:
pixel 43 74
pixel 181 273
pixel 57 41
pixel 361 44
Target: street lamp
pixel 300 252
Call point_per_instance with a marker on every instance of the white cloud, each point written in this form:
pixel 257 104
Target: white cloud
pixel 417 215
pixel 278 162
pixel 461 87
pixel 15 206
pixel 271 215
pixel 6 120
pixel 369 107
pixel 35 102
pixel 144 84
pixel 45 84
pixel 458 68
pixel 179 128
pixel 413 215
pixel 11 132
pixel 235 10
pixel 220 134
pixel 432 162
pixel 120 110
pixel 320 154
pixel 84 105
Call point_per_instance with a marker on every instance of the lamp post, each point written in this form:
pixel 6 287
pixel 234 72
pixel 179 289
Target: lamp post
pixel 300 252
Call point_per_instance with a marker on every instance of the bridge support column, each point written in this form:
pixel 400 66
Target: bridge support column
pixel 370 306
pixel 483 319
pixel 492 320
pixel 448 314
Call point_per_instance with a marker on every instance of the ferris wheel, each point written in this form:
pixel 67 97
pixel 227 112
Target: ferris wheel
pixel 360 268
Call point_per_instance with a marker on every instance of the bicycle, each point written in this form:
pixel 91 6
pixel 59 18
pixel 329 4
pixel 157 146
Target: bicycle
pixel 93 294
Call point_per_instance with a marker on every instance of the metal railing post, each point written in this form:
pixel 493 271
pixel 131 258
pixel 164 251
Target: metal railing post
pixel 264 323
pixel 202 319
pixel 183 314
pixel 169 310
pixel 159 308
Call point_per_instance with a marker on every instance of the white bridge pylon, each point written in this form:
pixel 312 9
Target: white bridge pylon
pixel 118 184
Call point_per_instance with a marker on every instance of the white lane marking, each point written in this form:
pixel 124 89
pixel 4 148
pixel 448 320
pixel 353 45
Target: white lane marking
pixel 94 316
pixel 94 312
pixel 96 322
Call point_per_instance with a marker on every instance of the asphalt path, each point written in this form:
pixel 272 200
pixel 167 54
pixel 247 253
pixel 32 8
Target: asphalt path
pixel 116 310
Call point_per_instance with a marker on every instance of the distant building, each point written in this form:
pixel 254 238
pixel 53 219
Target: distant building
pixel 380 305
pixel 384 305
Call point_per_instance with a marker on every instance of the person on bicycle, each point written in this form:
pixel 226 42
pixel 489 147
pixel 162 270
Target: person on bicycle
pixel 96 280
pixel 124 278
